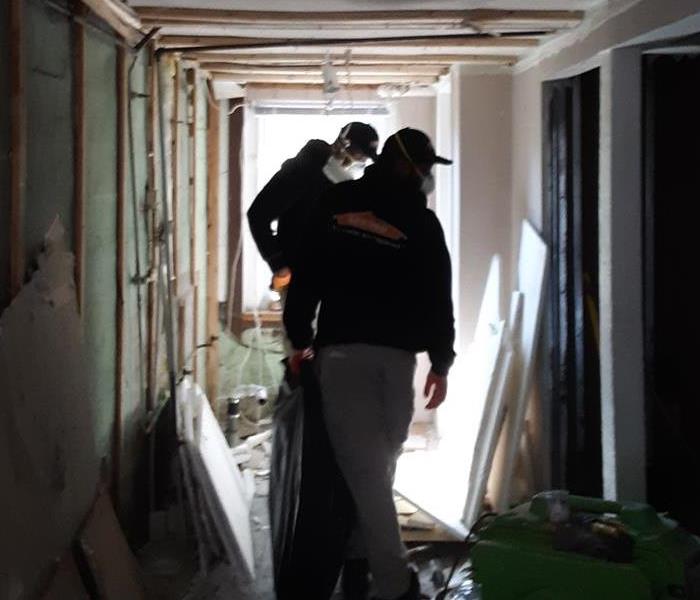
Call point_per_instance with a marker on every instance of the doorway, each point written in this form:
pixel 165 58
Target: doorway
pixel 571 139
pixel 672 327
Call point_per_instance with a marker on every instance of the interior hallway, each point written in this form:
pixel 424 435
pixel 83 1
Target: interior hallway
pixel 133 138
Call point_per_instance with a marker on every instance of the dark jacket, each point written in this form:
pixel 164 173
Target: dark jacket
pixel 289 198
pixel 376 260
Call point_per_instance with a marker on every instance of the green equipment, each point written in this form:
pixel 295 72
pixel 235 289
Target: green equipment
pixel 561 547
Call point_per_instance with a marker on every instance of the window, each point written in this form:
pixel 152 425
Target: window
pixel 271 136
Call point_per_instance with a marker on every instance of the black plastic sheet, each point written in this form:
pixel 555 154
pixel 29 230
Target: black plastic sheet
pixel 311 510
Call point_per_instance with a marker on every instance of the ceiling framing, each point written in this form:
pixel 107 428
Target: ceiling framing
pixel 367 47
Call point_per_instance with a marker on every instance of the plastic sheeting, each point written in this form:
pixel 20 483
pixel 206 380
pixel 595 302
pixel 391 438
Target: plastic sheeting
pixel 311 509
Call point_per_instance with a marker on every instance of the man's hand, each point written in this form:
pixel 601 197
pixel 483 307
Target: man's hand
pixel 281 279
pixel 435 390
pixel 299 357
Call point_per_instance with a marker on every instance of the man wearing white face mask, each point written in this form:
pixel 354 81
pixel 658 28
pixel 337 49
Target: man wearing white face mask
pixel 376 263
pixel 290 197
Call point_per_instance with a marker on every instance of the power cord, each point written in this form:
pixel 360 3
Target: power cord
pixel 464 555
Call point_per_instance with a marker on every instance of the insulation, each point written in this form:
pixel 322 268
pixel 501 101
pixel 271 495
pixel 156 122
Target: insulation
pixel 48 460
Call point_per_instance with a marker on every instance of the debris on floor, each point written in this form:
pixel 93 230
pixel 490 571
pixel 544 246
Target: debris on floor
pixel 106 552
pixel 218 497
pixel 250 370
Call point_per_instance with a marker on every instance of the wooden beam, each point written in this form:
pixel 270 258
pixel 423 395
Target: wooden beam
pixel 122 174
pixel 152 229
pixel 243 78
pixel 119 17
pixel 196 43
pixel 213 324
pixel 356 59
pixel 175 170
pixel 406 19
pixel 78 32
pixel 311 69
pixel 18 146
pixel 192 111
pixel 510 19
pixel 303 87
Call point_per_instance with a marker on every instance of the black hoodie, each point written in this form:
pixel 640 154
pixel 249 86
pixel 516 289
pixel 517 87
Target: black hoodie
pixel 375 259
pixel 289 198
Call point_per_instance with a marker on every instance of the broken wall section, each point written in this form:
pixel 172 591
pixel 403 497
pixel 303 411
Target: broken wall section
pixel 49 463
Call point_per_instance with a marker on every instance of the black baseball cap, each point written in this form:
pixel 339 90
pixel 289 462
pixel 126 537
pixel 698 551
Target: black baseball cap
pixel 413 144
pixel 362 137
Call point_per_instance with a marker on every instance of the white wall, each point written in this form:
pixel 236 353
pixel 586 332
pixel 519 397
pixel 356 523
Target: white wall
pixel 417 112
pixel 484 186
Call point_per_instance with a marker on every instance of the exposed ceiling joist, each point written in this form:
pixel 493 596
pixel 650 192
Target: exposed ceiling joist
pixel 315 70
pixel 191 43
pixel 245 78
pixel 120 17
pixel 478 19
pixel 303 87
pixel 355 59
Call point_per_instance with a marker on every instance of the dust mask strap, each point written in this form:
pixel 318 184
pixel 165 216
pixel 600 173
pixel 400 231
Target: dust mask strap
pixel 427 181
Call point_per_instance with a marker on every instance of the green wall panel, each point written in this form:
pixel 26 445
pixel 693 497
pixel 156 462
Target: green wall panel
pixel 134 359
pixel 100 225
pixel 49 106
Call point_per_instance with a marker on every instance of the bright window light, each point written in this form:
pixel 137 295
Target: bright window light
pixel 270 140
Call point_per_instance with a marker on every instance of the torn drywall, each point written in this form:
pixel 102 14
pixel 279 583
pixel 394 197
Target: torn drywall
pixel 48 460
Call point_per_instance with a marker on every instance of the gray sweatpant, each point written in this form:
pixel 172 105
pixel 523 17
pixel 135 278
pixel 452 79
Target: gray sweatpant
pixel 367 396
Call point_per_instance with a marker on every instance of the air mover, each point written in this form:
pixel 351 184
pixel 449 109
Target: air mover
pixel 561 547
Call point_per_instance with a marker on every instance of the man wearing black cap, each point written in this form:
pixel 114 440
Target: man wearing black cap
pixel 290 196
pixel 375 260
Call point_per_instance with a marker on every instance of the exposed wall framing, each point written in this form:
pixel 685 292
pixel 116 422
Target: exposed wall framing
pixel 152 227
pixel 175 172
pixel 192 139
pixel 213 326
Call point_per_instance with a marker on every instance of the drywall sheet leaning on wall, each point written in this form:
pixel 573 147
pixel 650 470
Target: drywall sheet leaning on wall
pixel 492 419
pixel 48 460
pixel 218 476
pixel 532 265
pixel 437 481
